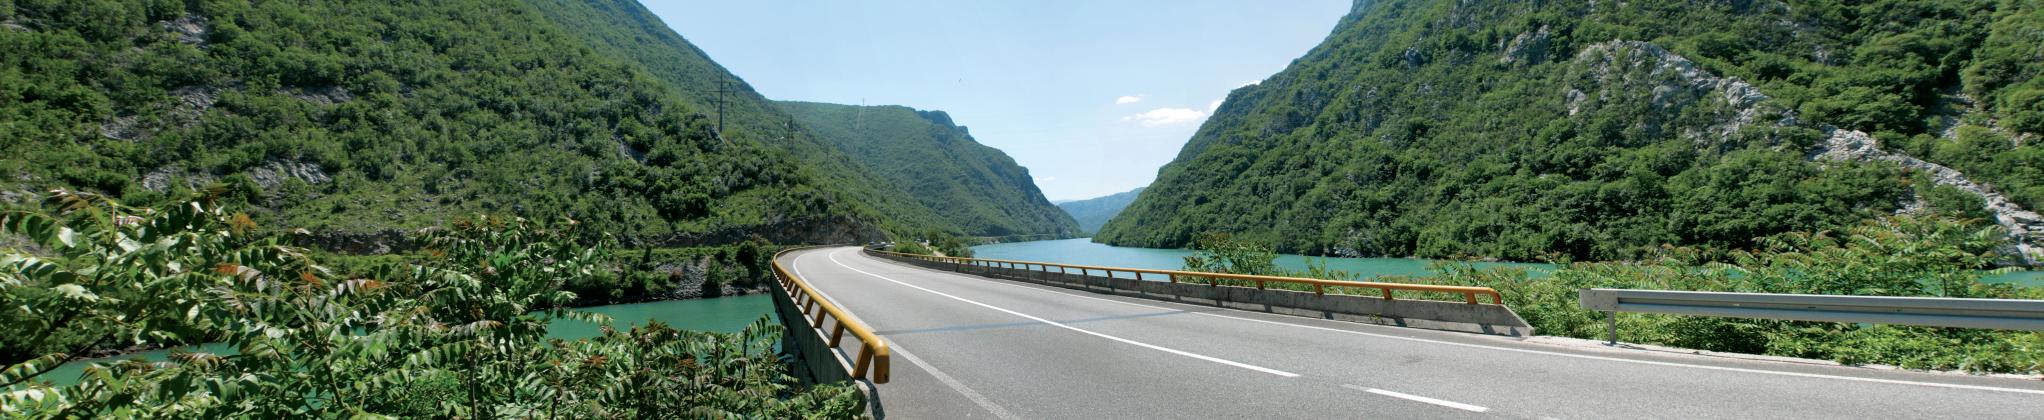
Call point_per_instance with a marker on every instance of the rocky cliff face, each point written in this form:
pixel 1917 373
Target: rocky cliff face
pixel 2025 227
pixel 1675 79
pixel 1523 130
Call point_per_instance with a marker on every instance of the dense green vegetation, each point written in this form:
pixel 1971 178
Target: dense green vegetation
pixel 1896 256
pixel 625 29
pixel 458 335
pixel 359 118
pixel 361 121
pixel 1561 130
pixel 933 245
pixel 970 185
pixel 1094 212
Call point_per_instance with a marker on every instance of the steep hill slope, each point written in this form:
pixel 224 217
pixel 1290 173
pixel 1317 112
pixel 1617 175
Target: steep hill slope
pixel 627 30
pixel 1522 130
pixel 361 120
pixel 969 185
pixel 1095 212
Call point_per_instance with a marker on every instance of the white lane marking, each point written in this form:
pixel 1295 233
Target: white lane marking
pixel 1558 354
pixel 1434 401
pixel 945 378
pixel 956 386
pixel 833 258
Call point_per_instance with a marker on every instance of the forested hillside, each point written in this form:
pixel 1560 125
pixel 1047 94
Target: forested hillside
pixel 1094 212
pixel 627 30
pixel 361 121
pixel 969 185
pixel 1590 130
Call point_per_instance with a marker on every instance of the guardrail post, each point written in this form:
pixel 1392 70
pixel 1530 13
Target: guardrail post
pixel 1319 290
pixel 1387 293
pixel 859 367
pixel 1611 325
pixel 1174 279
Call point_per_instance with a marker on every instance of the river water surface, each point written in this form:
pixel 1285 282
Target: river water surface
pixel 1084 252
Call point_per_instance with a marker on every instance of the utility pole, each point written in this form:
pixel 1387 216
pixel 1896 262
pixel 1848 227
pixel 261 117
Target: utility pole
pixel 723 87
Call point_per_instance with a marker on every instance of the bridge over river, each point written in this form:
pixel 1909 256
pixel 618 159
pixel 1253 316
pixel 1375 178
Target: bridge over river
pixel 962 345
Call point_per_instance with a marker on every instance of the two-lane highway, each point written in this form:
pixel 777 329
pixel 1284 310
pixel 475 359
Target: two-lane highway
pixel 973 347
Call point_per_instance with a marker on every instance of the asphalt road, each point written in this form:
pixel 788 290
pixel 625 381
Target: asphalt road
pixel 973 347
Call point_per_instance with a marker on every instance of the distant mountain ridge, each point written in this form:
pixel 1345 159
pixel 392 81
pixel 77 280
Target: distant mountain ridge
pixel 1095 212
pixel 1598 130
pixel 975 187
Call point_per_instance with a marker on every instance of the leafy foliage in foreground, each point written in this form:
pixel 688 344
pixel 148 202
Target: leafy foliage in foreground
pixel 1897 256
pixel 1515 130
pixel 458 336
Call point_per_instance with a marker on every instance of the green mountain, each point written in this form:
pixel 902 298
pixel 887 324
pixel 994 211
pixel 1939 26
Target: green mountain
pixel 627 30
pixel 363 121
pixel 968 184
pixel 1094 212
pixel 1524 130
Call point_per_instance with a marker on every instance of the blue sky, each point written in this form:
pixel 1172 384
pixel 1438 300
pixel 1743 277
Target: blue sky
pixel 1091 96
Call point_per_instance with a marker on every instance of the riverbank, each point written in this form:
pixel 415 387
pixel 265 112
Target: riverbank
pixel 1901 256
pixel 1084 251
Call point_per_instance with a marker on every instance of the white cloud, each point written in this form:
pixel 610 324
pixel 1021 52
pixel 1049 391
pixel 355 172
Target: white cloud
pixel 1213 106
pixel 1251 83
pixel 1044 179
pixel 1165 116
pixel 1128 99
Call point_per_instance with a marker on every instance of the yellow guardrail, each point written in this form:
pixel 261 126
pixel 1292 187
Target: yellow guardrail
pixel 1319 286
pixel 872 351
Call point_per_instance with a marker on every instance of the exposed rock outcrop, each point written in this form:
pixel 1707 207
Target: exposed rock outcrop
pixel 324 96
pixel 2026 227
pixel 1676 82
pixel 1528 48
pixel 190 29
pixel 191 103
pixel 1629 67
pixel 273 174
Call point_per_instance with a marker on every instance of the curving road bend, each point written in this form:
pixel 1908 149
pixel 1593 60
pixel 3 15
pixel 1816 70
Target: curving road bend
pixel 973 347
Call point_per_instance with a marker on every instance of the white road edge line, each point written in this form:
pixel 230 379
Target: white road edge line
pixel 1558 354
pixel 945 378
pixel 833 259
pixel 949 381
pixel 1434 401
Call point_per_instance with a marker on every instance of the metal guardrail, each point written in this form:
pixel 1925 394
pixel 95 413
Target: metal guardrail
pixel 1468 293
pixel 872 350
pixel 2000 314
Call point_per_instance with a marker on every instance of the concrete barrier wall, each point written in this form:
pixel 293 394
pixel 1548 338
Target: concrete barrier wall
pixel 814 361
pixel 1435 315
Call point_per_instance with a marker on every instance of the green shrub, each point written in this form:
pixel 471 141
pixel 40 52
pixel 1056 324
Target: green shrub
pixel 458 334
pixel 1898 256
